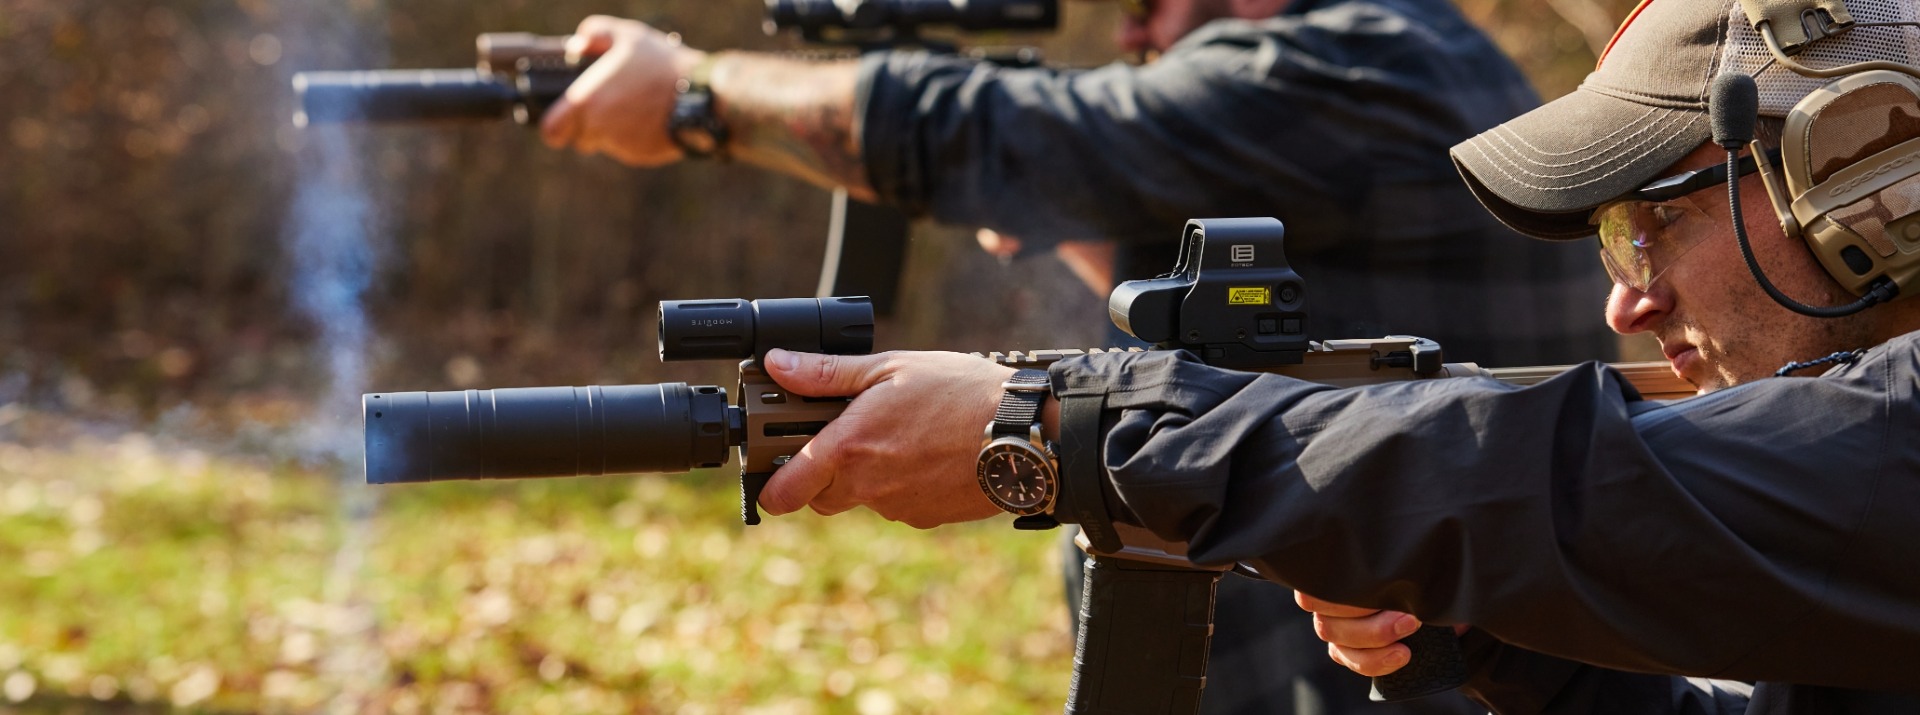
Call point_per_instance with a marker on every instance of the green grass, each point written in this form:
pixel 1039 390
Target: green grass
pixel 171 579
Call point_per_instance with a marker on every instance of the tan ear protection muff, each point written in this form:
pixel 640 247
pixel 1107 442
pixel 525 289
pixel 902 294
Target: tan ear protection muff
pixel 1850 156
pixel 1849 180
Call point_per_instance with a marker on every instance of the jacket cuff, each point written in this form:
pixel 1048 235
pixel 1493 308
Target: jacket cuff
pixel 1086 496
pixel 882 106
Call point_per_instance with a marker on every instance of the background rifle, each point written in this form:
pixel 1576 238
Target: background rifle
pixel 1147 612
pixel 519 75
pixel 883 24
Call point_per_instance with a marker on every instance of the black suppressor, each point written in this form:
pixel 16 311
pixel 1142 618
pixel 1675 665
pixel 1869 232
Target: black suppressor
pixel 613 429
pixel 518 76
pixel 546 432
pixel 402 95
pixel 425 95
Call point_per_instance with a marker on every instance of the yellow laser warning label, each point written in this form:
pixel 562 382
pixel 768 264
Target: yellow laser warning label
pixel 1260 295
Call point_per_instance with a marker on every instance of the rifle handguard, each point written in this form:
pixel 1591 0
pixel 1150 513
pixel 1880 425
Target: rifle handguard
pixel 1144 634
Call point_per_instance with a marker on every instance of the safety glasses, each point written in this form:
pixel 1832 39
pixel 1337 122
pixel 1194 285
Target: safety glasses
pixel 1640 240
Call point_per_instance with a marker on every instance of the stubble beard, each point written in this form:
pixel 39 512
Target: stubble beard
pixel 1766 338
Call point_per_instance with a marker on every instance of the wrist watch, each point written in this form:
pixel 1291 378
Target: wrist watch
pixel 693 126
pixel 1017 467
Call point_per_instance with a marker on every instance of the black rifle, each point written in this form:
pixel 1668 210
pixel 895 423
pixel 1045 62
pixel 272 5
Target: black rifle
pixel 1147 611
pixel 519 75
pixel 883 24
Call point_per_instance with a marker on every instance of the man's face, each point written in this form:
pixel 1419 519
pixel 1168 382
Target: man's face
pixel 1166 21
pixel 1714 323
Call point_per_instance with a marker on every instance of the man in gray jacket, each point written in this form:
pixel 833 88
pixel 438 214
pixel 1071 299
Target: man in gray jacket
pixel 1762 532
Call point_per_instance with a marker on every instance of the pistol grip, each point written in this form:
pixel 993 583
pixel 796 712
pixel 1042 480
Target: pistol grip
pixel 1435 667
pixel 1144 633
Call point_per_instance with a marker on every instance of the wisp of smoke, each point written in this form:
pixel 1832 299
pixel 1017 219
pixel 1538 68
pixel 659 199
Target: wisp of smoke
pixel 331 230
pixel 332 262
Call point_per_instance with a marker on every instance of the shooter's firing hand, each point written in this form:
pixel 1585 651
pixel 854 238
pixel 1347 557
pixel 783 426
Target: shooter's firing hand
pixel 906 446
pixel 620 105
pixel 1366 640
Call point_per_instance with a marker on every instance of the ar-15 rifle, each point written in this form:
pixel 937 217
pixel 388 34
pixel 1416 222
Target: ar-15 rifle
pixel 1147 611
pixel 519 75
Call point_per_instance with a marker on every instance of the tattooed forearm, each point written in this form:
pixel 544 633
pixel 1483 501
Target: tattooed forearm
pixel 793 116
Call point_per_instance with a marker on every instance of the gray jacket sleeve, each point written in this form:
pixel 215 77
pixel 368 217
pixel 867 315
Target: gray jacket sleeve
pixel 1118 152
pixel 1764 532
pixel 1312 118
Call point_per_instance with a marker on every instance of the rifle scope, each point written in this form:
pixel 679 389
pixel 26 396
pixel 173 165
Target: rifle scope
pixel 812 16
pixel 613 429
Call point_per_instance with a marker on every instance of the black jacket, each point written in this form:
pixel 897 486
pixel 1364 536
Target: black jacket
pixel 1768 532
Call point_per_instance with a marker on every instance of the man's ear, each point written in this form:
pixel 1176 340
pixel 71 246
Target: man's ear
pixel 1257 9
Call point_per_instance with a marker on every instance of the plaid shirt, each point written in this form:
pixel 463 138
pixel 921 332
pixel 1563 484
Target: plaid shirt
pixel 1335 118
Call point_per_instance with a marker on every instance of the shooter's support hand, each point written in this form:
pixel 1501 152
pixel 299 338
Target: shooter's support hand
pixel 907 445
pixel 1365 640
pixel 621 104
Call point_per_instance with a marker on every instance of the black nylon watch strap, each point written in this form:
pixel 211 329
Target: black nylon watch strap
pixel 1020 406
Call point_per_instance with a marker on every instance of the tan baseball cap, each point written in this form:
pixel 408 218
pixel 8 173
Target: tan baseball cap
pixel 1645 107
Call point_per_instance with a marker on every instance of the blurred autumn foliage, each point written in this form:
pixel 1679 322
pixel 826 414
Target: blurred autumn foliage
pixel 147 162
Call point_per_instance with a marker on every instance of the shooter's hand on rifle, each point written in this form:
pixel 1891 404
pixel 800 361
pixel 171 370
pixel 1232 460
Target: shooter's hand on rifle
pixel 907 445
pixel 789 115
pixel 1365 640
pixel 620 106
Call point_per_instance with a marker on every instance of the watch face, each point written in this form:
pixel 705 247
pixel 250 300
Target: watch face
pixel 1017 477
